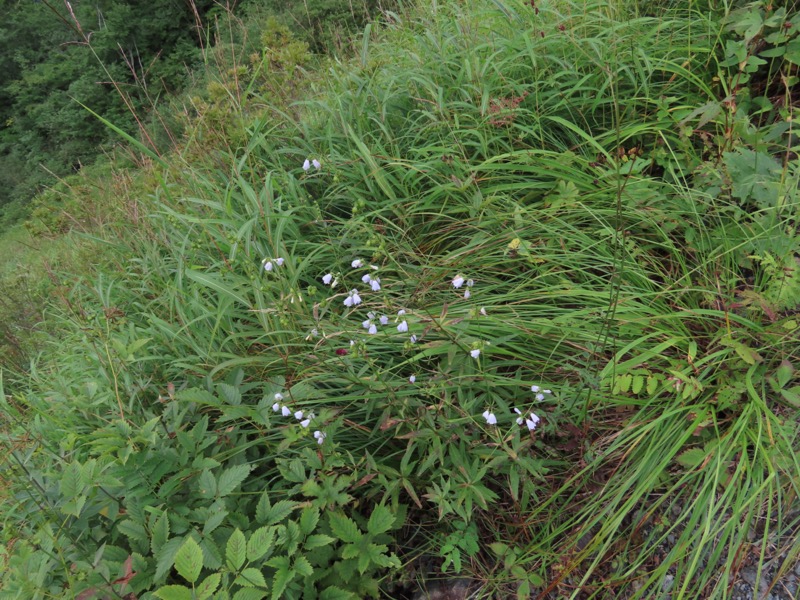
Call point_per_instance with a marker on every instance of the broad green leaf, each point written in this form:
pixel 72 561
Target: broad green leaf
pixel 260 543
pixel 303 567
pixel 133 530
pixel 280 580
pixel 231 393
pixel 250 594
pixel 236 550
pixel 214 521
pixel 251 577
pixel 165 558
pixel 309 519
pixel 208 586
pixel 692 458
pixel 189 560
pixel 174 592
pixel 317 541
pixel 279 511
pixel 207 485
pixel 263 507
pixel 344 528
pixel 70 483
pixel 231 478
pixel 380 521
pixel 160 533
pixel 335 593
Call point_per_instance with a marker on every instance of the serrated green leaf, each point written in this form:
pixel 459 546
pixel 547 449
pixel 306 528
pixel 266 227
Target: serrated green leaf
pixel 206 485
pixel 159 533
pixel 133 530
pixel 236 550
pixel 279 511
pixel 691 458
pixel 214 521
pixel 350 551
pixel 230 393
pixel 70 483
pixel 260 543
pixel 212 557
pixel 251 577
pixel 249 594
pixel 344 528
pixel 637 384
pixel 231 478
pixel 263 507
pixel 303 567
pixel 380 521
pixel 335 593
pixel 189 560
pixel 280 580
pixel 652 385
pixel 317 541
pixel 165 558
pixel 174 592
pixel 309 519
pixel 208 586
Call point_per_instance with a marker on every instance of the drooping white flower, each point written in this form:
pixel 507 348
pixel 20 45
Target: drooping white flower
pixel 372 329
pixel 539 397
pixel 520 418
pixel 326 279
pixel 268 265
pixel 366 278
pixel 412 379
pixel 276 407
pixel 356 298
pixel 352 299
pixel 470 282
pixel 320 436
pixel 467 294
pixel 483 311
pixel 298 415
pixel 458 281
pixel 348 302
pixel 535 388
pixel 413 339
pixel 366 324
pixel 306 165
pixel 279 261
pixel 532 422
pixel 384 320
pixel 401 312
pixel 285 411
pixel 546 392
pixel 490 418
pixel 403 327
pixel 278 397
pixel 475 353
pixel 357 263
pixel 316 164
pixel 305 423
pixel 375 284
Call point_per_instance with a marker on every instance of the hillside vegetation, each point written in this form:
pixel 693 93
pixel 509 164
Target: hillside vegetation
pixel 508 291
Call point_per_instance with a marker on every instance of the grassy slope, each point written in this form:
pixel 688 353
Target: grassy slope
pixel 541 154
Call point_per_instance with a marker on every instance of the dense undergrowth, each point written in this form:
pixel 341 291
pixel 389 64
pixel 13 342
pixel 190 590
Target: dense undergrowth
pixel 493 297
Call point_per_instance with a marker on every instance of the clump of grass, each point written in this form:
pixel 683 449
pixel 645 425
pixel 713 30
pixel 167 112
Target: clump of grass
pixel 489 284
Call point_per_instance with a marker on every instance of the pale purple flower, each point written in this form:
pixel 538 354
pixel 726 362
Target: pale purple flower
pixel 366 278
pixel 298 415
pixel 326 279
pixel 375 284
pixel 278 397
pixel 403 327
pixel 384 320
pixel 306 165
pixel 357 263
pixel 276 407
pixel 412 379
pixel 320 436
pixel 279 261
pixel 268 265
pixel 372 329
pixel 470 283
pixel 366 324
pixel 520 419
pixel 316 163
pixel 475 353
pixel 539 397
pixel 535 388
pixel 307 421
pixel 532 422
pixel 285 411
pixel 458 281
pixel 413 339
pixel 490 418
pixel 352 299
pixel 467 294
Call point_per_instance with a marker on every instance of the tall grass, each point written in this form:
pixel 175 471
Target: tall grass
pixel 541 152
